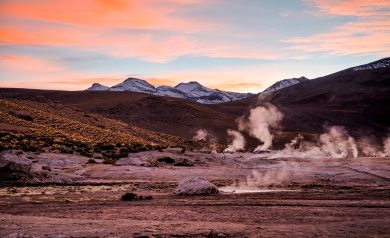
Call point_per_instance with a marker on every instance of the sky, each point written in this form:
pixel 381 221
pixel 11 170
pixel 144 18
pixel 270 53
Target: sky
pixel 242 46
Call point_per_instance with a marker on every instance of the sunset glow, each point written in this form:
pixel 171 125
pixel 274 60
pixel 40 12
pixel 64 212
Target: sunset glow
pixel 231 45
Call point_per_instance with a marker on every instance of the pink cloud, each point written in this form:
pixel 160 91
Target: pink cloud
pixel 27 64
pixel 368 34
pixel 351 7
pixel 98 25
pixel 148 46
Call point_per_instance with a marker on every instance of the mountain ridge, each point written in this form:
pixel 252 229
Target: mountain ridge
pixel 192 90
pixel 284 83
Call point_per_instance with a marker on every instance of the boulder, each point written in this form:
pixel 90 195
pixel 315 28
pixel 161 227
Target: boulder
pixel 196 186
pixel 17 168
pixel 14 167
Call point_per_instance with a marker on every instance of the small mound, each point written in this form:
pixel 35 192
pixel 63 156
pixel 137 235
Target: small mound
pixel 196 186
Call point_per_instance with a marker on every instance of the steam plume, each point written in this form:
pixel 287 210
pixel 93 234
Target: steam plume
pixel 338 144
pixel 335 143
pixel 201 134
pixel 238 141
pixel 386 147
pixel 259 122
pixel 371 148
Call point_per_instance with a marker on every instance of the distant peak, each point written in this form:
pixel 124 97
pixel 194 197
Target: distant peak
pixel 382 63
pixel 190 83
pixel 133 79
pixel 285 83
pixel 97 87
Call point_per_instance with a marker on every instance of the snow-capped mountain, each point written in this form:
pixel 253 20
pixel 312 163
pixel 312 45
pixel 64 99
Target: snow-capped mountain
pixel 199 93
pixel 134 85
pixel 170 92
pixel 192 90
pixel 97 87
pixel 284 84
pixel 383 63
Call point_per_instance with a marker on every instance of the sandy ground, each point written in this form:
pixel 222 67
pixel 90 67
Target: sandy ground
pixel 284 197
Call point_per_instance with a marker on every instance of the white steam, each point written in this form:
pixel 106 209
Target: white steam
pixel 238 141
pixel 371 148
pixel 283 173
pixel 259 123
pixel 335 143
pixel 386 147
pixel 201 134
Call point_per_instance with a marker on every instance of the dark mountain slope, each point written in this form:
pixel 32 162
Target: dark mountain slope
pixel 358 98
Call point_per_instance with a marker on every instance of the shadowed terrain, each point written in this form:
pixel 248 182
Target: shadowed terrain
pixel 173 116
pixel 356 99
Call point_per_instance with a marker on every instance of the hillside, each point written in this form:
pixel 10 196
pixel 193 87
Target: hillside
pixel 357 98
pixel 32 125
pixel 178 117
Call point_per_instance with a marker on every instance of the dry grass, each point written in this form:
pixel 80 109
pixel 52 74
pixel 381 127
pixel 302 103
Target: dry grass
pixel 64 128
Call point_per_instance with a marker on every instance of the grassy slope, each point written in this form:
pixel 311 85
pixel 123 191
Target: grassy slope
pixel 56 120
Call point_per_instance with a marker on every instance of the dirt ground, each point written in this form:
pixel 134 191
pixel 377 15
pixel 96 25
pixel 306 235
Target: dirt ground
pixel 301 198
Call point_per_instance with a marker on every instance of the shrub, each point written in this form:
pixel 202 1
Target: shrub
pixel 106 146
pixel 85 153
pixel 129 196
pixel 123 152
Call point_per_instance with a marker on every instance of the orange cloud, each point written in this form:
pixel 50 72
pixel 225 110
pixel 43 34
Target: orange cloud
pixel 159 48
pixel 102 25
pixel 135 14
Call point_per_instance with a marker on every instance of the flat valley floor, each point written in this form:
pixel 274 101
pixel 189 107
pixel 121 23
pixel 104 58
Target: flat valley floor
pixel 303 198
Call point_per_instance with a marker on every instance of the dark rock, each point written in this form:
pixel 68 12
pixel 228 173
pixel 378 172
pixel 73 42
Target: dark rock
pixel 135 197
pixel 167 160
pixel 14 168
pixel 22 115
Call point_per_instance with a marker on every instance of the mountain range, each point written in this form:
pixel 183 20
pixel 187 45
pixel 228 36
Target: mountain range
pixel 191 90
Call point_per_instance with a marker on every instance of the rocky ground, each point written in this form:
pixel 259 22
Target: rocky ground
pixel 60 195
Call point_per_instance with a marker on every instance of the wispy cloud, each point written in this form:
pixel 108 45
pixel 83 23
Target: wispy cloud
pixel 368 33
